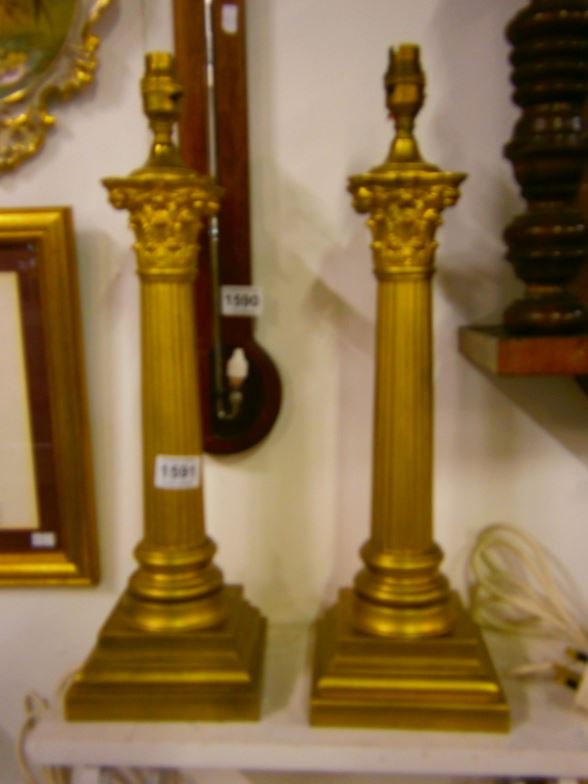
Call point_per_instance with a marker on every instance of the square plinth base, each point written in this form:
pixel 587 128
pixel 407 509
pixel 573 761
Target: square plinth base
pixel 443 683
pixel 208 675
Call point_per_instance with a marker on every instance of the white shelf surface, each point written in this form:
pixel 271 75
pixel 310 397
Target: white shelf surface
pixel 549 737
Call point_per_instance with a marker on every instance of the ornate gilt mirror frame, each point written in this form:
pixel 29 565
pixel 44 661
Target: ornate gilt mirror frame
pixel 48 52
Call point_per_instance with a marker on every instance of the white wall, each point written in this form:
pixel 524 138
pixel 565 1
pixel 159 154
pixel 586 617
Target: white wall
pixel 289 515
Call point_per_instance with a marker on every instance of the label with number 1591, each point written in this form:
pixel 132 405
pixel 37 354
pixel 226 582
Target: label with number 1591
pixel 177 472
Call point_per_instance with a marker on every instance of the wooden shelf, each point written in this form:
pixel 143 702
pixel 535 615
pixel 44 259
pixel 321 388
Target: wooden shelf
pixel 493 350
pixel 549 737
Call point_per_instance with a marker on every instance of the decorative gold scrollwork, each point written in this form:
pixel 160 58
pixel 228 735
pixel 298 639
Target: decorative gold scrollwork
pixel 48 52
pixel 166 222
pixel 404 217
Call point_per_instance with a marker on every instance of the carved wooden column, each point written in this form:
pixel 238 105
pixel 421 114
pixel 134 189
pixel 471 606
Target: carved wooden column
pixel 548 243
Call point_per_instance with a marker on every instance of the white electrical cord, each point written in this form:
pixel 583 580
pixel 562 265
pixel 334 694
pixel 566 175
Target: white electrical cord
pixel 516 586
pixel 35 708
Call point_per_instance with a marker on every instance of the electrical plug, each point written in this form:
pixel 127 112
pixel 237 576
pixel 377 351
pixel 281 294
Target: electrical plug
pixel 575 679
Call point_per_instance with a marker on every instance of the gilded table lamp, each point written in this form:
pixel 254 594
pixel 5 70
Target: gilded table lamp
pixel 179 644
pixel 398 649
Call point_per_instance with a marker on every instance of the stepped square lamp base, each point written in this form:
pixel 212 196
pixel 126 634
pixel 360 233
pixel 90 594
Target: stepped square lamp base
pixel 441 683
pixel 205 675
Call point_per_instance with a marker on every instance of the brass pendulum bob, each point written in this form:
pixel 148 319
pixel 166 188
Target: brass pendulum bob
pixel 399 650
pixel 180 644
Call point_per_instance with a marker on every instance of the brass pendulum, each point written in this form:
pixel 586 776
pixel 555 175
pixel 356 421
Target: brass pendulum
pixel 399 650
pixel 180 644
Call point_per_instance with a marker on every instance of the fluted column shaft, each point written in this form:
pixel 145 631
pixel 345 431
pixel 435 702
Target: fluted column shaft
pixel 170 422
pixel 175 553
pixel 402 455
pixel 400 592
pixel 176 585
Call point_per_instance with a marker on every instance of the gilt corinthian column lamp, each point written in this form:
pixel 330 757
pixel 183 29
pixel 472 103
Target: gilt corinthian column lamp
pixel 398 649
pixel 180 644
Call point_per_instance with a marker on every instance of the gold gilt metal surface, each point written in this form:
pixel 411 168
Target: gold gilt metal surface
pixel 180 644
pixel 48 53
pixel 398 649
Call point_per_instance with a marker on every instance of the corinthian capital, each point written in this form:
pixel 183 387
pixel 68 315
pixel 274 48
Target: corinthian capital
pixel 166 218
pixel 404 213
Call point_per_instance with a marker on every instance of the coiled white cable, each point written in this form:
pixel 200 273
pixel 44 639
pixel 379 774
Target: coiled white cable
pixel 35 708
pixel 517 586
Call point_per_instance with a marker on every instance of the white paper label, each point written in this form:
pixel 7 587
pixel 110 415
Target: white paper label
pixel 177 472
pixel 230 19
pixel 43 539
pixel 241 300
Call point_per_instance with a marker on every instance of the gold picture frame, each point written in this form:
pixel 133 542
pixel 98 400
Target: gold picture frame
pixel 47 512
pixel 48 52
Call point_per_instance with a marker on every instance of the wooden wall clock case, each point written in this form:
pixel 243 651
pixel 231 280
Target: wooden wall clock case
pixel 262 387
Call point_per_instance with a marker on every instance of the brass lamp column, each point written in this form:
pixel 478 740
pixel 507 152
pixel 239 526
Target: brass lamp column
pixel 398 650
pixel 179 645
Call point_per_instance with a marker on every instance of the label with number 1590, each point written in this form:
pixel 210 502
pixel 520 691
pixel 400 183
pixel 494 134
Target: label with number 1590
pixel 177 472
pixel 241 300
